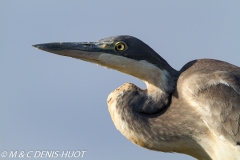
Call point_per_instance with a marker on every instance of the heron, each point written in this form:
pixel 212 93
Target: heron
pixel 194 110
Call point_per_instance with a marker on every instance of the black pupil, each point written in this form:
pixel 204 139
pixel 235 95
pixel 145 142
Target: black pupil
pixel 120 46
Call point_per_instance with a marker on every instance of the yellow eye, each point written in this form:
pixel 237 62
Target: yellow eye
pixel 120 46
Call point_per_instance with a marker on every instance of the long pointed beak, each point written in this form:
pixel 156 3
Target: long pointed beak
pixel 87 51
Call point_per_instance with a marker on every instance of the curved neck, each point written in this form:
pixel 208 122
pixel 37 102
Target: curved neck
pixel 155 74
pixel 152 124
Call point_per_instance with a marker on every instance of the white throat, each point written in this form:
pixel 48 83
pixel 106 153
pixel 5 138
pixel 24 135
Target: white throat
pixel 156 79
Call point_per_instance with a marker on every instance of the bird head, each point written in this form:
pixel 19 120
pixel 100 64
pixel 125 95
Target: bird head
pixel 126 54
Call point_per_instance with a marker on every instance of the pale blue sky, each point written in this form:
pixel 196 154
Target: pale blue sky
pixel 50 102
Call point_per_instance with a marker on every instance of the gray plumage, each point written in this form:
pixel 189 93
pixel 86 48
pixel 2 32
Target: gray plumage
pixel 195 111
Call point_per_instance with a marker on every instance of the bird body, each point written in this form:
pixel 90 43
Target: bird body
pixel 195 111
pixel 184 120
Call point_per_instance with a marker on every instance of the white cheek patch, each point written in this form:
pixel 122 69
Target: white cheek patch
pixel 140 69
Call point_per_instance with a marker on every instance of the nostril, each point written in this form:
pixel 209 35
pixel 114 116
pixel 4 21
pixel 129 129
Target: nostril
pixel 87 44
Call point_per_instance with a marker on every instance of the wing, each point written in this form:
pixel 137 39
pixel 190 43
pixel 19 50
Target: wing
pixel 221 104
pixel 216 96
pixel 214 90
